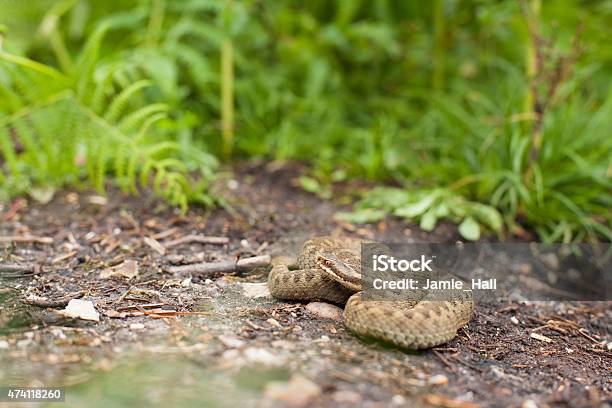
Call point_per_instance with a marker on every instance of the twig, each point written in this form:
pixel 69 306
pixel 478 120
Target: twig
pixel 9 239
pixel 61 302
pixel 443 359
pixel 61 258
pixel 165 234
pixel 202 239
pixel 18 268
pixel 211 268
pixel 143 306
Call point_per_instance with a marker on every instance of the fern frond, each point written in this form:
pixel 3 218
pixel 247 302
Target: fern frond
pixel 119 103
pixel 135 119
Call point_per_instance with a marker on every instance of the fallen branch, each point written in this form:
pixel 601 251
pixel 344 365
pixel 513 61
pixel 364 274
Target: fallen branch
pixel 38 301
pixel 9 239
pixel 211 268
pixel 202 239
pixel 18 268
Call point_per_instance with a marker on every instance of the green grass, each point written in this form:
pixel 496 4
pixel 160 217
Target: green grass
pixel 438 98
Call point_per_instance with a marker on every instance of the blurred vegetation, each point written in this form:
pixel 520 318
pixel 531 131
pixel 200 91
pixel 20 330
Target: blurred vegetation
pixel 476 108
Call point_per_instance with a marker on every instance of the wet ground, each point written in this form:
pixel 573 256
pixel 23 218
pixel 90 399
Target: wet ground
pixel 170 337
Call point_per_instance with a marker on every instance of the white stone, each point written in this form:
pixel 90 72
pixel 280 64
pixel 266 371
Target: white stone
pixel 324 310
pixel 297 392
pixel 262 356
pixel 255 290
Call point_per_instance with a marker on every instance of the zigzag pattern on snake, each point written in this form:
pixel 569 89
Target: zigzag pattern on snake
pixel 407 324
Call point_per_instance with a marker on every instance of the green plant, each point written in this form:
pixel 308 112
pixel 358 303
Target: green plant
pixel 453 95
pixel 427 206
pixel 93 117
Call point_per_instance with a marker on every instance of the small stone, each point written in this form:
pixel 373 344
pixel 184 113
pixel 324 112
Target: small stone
pixel 346 397
pixel 609 346
pixel 262 356
pixel 551 260
pixel 255 290
pixel 529 404
pixel 4 345
pixel 137 326
pixel 232 184
pixel 569 350
pixel 498 372
pixel 438 380
pixel 297 392
pixel 514 320
pixel 231 342
pixel 398 400
pixel 273 322
pixel 324 310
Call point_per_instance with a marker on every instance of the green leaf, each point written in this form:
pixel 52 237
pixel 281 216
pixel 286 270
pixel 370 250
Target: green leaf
pixel 487 215
pixel 362 216
pixel 418 208
pixel 469 229
pixel 429 220
pixel 313 186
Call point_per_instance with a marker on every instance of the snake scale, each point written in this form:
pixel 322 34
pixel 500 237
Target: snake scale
pixel 328 269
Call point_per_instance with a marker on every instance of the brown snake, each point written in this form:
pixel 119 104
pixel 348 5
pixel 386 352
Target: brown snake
pixel 328 269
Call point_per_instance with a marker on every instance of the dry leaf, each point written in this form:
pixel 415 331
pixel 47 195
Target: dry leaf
pixel 541 337
pixel 153 243
pixel 81 309
pixel 128 269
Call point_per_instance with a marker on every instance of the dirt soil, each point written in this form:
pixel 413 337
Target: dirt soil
pixel 172 338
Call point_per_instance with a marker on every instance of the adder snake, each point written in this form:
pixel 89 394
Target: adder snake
pixel 328 269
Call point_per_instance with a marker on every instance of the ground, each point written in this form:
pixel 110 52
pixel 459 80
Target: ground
pixel 172 338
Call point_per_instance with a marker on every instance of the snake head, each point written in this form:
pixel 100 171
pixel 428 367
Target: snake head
pixel 345 271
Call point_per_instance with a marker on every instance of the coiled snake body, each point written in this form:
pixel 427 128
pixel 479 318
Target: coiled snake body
pixel 328 269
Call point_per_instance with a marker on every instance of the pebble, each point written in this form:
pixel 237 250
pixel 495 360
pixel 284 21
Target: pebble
pixel 262 356
pixel 346 397
pixel 398 400
pixel 137 326
pixel 529 404
pixel 231 342
pixel 4 345
pixel 324 310
pixel 438 379
pixel 514 320
pixel 297 392
pixel 498 372
pixel 255 290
